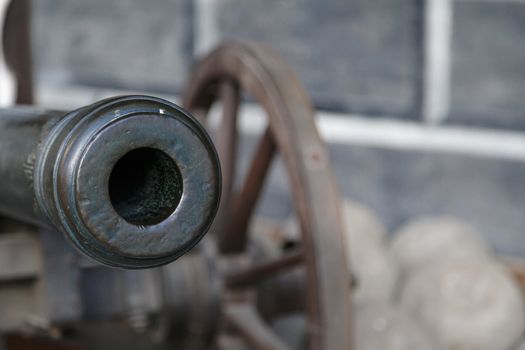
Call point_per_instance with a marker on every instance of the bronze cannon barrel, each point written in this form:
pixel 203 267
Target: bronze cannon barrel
pixel 132 181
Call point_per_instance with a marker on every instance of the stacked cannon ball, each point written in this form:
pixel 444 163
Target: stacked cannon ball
pixel 434 284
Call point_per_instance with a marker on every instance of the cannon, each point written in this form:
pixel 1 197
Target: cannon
pixel 132 181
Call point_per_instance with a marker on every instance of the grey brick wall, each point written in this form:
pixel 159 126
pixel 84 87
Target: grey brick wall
pixel 488 64
pixel 134 44
pixel 355 56
pixel 360 56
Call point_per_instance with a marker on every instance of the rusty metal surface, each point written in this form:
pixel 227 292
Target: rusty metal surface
pixel 255 70
pixel 132 181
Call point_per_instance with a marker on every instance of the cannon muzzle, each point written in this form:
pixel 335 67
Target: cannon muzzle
pixel 132 181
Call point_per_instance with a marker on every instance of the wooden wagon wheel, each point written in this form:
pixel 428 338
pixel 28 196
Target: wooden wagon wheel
pixel 254 70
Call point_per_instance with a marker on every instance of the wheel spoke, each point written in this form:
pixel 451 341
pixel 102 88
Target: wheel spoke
pixel 227 144
pixel 234 235
pixel 256 273
pixel 247 322
pixel 227 148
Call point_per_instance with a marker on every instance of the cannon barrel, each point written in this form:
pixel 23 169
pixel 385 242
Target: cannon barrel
pixel 132 181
